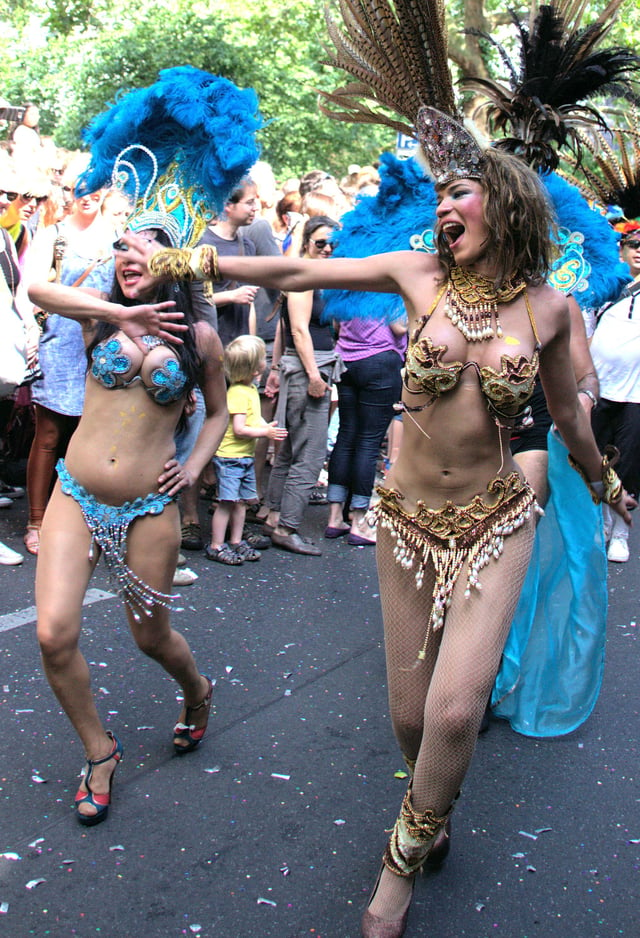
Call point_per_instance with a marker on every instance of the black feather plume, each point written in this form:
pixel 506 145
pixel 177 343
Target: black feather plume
pixel 549 97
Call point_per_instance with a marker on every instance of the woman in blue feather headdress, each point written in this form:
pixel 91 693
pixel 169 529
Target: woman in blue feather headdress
pixel 176 149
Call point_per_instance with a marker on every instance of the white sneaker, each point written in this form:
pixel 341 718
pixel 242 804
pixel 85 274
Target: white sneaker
pixel 9 557
pixel 618 550
pixel 184 577
pixel 5 502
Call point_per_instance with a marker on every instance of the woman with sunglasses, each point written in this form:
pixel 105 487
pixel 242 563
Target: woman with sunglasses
pixel 304 366
pixel 21 206
pixel 76 252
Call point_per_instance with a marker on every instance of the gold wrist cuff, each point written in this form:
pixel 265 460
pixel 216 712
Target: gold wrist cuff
pixel 612 489
pixel 171 264
pixel 204 263
pixel 175 264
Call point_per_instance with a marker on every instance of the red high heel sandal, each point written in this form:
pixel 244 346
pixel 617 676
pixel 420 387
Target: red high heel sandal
pixel 100 802
pixel 185 731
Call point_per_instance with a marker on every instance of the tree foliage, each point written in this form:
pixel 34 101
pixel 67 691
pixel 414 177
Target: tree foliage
pixel 80 66
pixel 73 57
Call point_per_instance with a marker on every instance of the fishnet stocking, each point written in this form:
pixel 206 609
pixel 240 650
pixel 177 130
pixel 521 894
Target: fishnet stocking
pixel 437 705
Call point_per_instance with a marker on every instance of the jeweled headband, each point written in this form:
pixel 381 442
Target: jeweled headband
pixel 162 204
pixel 449 150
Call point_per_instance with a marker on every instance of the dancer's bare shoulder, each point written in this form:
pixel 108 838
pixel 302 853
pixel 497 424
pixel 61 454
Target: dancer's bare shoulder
pixel 550 311
pixel 421 277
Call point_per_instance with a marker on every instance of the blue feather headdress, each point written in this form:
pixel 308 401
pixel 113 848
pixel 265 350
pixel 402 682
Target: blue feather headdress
pixel 402 216
pixel 176 149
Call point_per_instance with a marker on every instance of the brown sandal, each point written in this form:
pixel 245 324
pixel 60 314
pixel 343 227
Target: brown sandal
pixel 32 538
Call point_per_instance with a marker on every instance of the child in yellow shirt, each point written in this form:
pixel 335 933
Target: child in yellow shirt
pixel 244 362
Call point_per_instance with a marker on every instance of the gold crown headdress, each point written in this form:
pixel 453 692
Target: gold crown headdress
pixel 449 150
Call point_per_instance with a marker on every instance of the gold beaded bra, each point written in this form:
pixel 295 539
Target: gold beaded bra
pixel 506 391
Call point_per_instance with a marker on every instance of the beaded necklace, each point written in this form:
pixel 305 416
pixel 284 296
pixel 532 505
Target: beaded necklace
pixel 472 303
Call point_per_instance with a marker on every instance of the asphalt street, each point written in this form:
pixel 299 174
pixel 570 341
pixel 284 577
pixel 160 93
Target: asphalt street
pixel 274 828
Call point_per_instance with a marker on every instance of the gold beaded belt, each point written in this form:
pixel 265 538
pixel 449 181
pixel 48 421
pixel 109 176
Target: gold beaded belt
pixel 449 536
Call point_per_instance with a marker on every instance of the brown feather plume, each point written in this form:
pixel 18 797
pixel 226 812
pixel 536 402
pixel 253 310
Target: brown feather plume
pixel 397 52
pixel 616 155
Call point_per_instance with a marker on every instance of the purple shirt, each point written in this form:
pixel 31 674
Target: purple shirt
pixel 361 338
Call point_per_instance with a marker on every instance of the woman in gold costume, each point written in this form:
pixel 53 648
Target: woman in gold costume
pixel 456 516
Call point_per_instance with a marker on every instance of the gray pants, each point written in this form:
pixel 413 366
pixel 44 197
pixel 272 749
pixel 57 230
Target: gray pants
pixel 302 454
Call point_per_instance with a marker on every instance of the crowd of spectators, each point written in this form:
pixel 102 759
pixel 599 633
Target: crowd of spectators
pixel 47 232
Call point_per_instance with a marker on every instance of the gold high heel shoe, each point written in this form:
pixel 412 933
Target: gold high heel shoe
pixel 375 927
pixel 412 838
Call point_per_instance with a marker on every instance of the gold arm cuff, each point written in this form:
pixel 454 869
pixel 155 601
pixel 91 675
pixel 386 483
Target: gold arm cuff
pixel 612 489
pixel 175 264
pixel 171 263
pixel 204 263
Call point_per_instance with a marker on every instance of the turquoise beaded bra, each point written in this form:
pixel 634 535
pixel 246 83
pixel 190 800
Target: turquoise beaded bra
pixel 161 375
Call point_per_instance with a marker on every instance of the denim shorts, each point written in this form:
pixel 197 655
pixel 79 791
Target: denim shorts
pixel 236 479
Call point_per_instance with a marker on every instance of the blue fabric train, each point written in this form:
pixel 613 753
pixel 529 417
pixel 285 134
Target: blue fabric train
pixel 553 662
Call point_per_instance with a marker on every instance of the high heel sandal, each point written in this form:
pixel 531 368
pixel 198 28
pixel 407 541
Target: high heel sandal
pixel 440 849
pixel 32 538
pixel 98 801
pixel 412 838
pixel 186 730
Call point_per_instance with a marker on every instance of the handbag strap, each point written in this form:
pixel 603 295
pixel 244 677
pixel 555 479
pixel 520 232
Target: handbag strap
pixel 83 276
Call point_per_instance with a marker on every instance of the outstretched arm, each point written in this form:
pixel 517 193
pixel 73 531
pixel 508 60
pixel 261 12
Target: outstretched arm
pixel 379 273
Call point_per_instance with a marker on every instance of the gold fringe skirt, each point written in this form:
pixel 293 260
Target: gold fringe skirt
pixel 452 535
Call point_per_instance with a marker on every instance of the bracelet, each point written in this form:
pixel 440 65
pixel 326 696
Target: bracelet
pixel 204 263
pixel 171 263
pixel 175 264
pixel 608 488
pixel 590 395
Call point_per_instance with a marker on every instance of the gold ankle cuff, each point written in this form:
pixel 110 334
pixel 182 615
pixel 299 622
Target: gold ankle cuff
pixel 411 838
pixel 410 764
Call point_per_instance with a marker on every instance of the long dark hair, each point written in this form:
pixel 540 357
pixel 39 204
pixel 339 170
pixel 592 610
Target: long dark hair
pixel 180 293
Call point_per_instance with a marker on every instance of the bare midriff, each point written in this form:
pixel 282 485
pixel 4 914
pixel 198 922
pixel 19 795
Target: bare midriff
pixel 122 443
pixel 461 454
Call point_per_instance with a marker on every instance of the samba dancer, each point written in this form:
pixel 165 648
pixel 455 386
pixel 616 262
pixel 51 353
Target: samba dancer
pixel 456 517
pixel 117 488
